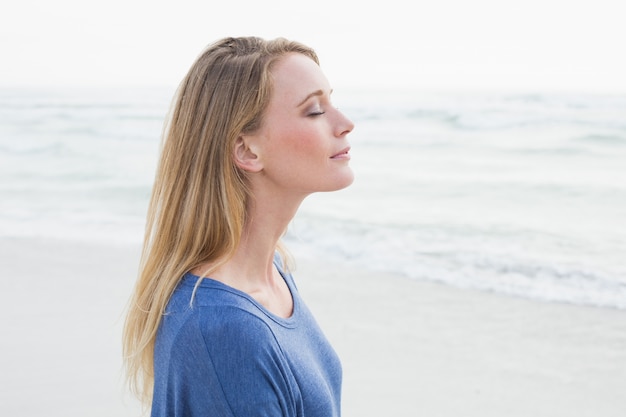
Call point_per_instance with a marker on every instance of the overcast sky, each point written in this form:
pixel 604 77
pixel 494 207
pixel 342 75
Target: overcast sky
pixel 531 45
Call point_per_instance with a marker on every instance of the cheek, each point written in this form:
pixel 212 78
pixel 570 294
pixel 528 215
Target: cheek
pixel 300 142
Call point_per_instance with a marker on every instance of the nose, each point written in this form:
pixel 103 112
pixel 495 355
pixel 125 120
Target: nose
pixel 344 125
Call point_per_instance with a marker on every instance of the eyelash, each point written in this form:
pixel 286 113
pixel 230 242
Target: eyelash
pixel 317 113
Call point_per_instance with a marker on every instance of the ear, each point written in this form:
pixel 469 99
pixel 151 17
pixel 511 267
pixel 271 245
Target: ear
pixel 245 156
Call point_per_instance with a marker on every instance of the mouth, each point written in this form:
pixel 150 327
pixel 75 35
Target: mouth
pixel 343 154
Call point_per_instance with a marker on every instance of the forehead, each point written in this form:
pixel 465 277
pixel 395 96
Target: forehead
pixel 295 76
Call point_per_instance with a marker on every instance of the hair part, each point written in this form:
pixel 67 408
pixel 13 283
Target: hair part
pixel 197 210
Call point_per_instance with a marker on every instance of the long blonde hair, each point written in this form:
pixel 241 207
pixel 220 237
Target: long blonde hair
pixel 198 206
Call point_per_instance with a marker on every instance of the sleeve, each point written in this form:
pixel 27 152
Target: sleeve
pixel 224 365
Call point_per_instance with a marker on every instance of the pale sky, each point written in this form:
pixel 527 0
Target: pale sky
pixel 531 45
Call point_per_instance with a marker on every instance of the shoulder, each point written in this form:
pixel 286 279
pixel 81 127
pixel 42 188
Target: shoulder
pixel 220 338
pixel 233 324
pixel 227 322
pixel 218 360
pixel 220 346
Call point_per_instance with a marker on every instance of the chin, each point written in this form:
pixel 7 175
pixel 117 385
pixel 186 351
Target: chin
pixel 343 182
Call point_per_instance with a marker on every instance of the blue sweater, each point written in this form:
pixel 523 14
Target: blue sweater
pixel 227 356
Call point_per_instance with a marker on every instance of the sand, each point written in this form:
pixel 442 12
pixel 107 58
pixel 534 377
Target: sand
pixel 408 348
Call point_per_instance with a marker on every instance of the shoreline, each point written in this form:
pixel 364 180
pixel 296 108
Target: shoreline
pixel 408 347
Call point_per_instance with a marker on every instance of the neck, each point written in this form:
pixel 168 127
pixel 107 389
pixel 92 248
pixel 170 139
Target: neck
pixel 251 266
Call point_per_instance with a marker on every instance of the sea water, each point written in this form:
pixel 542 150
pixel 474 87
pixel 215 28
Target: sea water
pixel 520 194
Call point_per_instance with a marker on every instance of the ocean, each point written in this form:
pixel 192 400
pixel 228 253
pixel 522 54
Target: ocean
pixel 518 194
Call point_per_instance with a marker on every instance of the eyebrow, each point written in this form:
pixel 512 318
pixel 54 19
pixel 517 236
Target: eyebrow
pixel 313 94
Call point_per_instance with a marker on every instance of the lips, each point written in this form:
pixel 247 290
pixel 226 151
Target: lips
pixel 343 154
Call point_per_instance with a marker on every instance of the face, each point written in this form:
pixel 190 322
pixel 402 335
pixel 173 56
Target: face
pixel 302 144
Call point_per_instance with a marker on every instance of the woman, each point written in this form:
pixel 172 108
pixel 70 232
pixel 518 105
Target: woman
pixel 216 326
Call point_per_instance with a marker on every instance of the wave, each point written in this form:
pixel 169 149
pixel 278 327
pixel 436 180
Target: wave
pixel 529 264
pixel 603 139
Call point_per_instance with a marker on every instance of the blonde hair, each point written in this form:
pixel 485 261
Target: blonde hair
pixel 198 206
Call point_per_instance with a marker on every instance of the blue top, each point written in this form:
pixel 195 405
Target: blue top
pixel 225 355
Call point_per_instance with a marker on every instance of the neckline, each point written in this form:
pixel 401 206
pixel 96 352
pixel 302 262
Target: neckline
pixel 208 282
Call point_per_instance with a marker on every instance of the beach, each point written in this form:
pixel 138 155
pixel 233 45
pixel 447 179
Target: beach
pixel 474 268
pixel 408 347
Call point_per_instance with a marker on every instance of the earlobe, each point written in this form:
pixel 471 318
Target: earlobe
pixel 245 157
